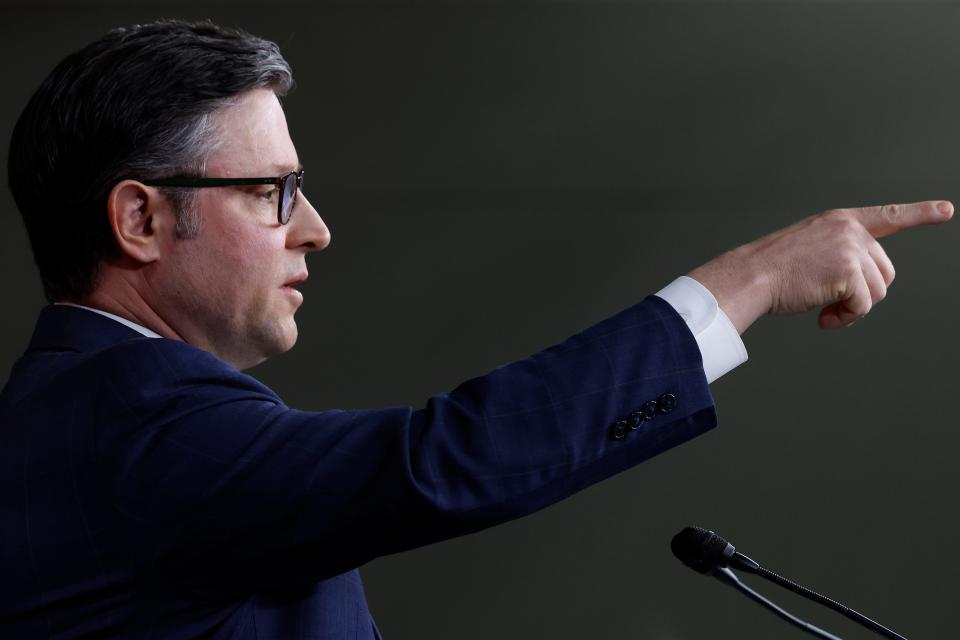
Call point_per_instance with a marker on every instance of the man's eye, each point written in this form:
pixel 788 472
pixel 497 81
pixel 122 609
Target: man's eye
pixel 270 194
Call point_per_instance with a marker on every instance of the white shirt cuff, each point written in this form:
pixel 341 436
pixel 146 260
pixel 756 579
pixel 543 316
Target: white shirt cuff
pixel 720 345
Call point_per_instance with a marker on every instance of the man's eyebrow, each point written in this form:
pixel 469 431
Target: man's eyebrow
pixel 283 169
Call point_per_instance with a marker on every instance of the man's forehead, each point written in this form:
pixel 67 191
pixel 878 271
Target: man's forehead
pixel 253 137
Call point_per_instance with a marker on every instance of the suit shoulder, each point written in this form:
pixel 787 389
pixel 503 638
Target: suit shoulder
pixel 165 363
pixel 140 370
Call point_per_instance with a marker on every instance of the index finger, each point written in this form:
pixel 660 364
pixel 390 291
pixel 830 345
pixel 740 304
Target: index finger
pixel 890 218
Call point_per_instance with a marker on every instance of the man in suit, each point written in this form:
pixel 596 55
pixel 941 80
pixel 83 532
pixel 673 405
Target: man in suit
pixel 151 489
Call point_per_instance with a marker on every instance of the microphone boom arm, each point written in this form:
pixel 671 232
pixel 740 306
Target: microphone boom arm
pixel 726 576
pixel 744 563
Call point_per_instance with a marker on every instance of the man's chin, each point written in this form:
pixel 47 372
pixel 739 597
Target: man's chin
pixel 286 336
pixel 292 339
pixel 280 339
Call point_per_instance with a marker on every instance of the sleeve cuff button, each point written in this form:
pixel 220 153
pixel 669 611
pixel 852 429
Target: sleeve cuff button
pixel 667 403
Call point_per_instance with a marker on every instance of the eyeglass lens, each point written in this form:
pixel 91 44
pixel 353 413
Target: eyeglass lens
pixel 289 195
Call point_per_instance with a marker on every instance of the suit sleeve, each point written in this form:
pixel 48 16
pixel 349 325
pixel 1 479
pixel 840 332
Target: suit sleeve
pixel 212 475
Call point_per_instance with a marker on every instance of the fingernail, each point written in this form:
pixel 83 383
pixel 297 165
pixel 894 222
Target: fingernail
pixel 944 207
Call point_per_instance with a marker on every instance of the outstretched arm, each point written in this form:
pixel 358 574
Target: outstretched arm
pixel 830 261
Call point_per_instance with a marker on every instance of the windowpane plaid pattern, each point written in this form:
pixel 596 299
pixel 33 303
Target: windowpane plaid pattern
pixel 149 490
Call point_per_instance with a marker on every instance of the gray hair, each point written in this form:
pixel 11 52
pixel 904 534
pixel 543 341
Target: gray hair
pixel 141 102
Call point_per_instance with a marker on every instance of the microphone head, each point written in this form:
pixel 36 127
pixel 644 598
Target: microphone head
pixel 701 550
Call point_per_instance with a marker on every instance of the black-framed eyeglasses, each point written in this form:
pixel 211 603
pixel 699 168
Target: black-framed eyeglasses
pixel 287 184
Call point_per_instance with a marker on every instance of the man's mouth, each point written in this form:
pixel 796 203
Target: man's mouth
pixel 296 280
pixel 289 288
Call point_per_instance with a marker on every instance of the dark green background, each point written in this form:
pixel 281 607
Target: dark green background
pixel 497 177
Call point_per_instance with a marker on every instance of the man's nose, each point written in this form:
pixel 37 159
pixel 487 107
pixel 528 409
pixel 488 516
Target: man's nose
pixel 307 228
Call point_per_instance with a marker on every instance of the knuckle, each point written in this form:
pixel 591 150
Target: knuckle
pixel 861 306
pixel 892 214
pixel 850 227
pixel 844 225
pixel 850 267
pixel 837 215
pixel 850 247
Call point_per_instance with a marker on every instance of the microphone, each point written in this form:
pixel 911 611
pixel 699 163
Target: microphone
pixel 704 551
pixel 709 554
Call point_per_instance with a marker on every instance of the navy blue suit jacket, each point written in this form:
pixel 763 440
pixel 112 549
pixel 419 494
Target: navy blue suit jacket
pixel 149 490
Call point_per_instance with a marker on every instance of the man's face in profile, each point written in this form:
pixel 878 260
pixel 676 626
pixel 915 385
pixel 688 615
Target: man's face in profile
pixel 227 290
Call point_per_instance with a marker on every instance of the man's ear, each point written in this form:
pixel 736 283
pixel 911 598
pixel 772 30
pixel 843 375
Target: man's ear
pixel 140 218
